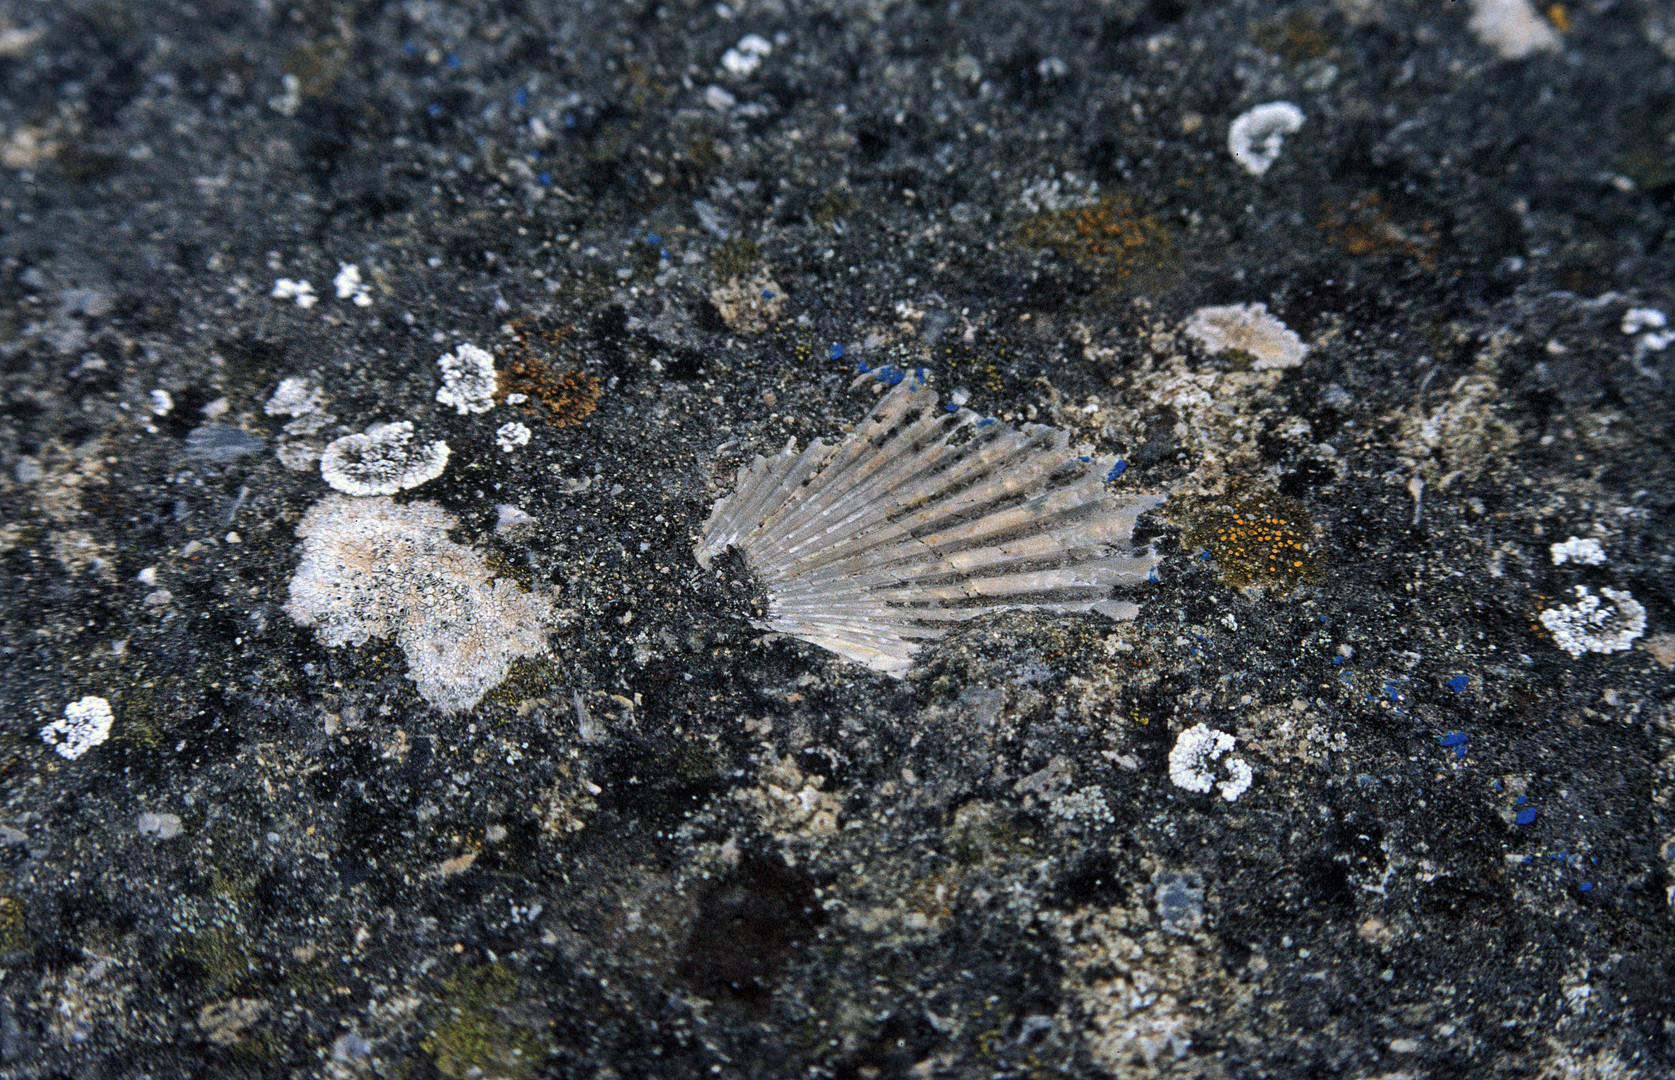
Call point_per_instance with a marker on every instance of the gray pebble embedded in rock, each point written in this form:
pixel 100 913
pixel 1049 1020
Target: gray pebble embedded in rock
pixel 159 826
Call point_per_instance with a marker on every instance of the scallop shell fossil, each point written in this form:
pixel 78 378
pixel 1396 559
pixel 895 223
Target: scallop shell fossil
pixel 923 517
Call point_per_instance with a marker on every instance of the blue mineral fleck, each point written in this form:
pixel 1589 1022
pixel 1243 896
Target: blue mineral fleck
pixel 767 294
pixel 410 48
pixel 653 239
pixel 453 60
pixel 1453 739
pixel 1116 470
pixel 1525 816
pixel 951 407
pixel 434 108
pixel 545 178
pixel 1457 683
pixel 1587 886
pixel 837 351
pixel 1460 752
pixel 520 96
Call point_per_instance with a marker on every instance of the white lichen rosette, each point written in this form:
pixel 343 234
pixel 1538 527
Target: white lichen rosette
pixel 1249 328
pixel 468 380
pixel 1192 763
pixel 1256 137
pixel 382 461
pixel 86 723
pixel 511 436
pixel 1590 625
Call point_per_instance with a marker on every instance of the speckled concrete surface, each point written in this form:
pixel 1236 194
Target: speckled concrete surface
pixel 667 844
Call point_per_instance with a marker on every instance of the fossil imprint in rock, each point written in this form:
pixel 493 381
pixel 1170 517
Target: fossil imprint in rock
pixel 876 545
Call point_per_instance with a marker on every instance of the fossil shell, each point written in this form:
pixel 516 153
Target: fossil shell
pixel 874 545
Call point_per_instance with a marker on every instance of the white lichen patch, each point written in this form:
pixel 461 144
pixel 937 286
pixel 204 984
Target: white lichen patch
pixel 1192 763
pixel 1248 328
pixel 382 461
pixel 1590 625
pixel 1584 551
pixel 1220 419
pixel 1069 192
pixel 1650 329
pixel 349 285
pixel 1461 436
pixel 373 569
pixel 1082 808
pixel 511 436
pixel 85 724
pixel 1513 28
pixel 300 291
pixel 87 1000
pixel 1256 137
pixel 468 380
pixel 749 305
pixel 745 57
pixel 1137 988
pixel 790 802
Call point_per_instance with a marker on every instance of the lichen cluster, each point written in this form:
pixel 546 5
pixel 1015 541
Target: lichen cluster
pixel 539 368
pixel 1254 538
pixel 1112 237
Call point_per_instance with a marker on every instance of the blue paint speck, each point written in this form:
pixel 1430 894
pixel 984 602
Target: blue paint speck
pixel 837 350
pixel 569 121
pixel 1521 800
pixel 767 294
pixel 434 108
pixel 1460 752
pixel 453 60
pixel 410 48
pixel 951 407
pixel 1587 886
pixel 520 96
pixel 1116 470
pixel 1457 683
pixel 545 178
pixel 986 421
pixel 653 239
pixel 1453 739
pixel 1525 816
pixel 1084 458
pixel 1204 554
pixel 862 366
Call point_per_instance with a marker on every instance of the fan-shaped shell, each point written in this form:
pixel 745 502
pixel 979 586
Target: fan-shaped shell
pixel 874 545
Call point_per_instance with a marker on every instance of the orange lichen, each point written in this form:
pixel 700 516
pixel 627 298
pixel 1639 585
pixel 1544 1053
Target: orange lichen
pixel 1111 237
pixel 539 368
pixel 1254 538
pixel 1363 226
